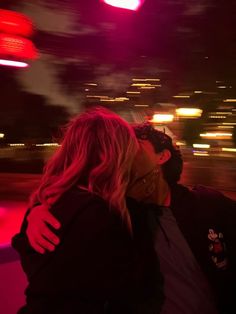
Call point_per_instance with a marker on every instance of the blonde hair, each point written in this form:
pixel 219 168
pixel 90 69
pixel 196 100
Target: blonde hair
pixel 96 153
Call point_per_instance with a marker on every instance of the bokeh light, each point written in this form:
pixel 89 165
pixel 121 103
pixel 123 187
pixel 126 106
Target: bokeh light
pixel 125 4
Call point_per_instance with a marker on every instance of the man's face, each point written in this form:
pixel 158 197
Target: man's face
pixel 147 183
pixel 145 160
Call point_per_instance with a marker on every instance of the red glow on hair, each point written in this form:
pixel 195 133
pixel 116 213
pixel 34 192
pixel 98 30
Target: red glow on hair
pixel 125 4
pixel 12 63
pixel 17 46
pixel 15 23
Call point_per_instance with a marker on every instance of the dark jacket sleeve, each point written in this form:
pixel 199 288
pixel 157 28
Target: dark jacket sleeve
pixel 197 211
pixel 222 215
pixel 97 257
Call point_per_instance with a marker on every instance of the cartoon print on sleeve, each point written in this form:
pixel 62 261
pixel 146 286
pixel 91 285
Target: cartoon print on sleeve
pixel 217 249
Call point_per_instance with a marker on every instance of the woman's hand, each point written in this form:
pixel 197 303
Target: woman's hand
pixel 40 237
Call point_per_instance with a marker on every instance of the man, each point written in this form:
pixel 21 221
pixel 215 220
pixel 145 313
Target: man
pixel 200 225
pixel 194 230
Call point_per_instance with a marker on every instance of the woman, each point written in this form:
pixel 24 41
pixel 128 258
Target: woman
pixel 101 265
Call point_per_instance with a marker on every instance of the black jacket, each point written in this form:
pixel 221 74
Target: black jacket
pixel 207 219
pixel 97 268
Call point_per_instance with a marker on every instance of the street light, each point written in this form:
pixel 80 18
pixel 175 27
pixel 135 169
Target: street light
pixel 15 44
pixel 133 5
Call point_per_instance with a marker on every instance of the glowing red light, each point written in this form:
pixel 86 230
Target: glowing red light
pixel 12 63
pixel 125 4
pixel 15 23
pixel 17 46
pixel 14 45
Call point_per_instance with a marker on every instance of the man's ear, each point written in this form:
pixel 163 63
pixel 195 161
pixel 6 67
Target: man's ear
pixel 163 156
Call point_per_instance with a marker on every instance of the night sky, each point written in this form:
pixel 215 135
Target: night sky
pixel 188 37
pixel 191 44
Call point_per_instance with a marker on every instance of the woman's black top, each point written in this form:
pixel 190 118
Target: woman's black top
pixel 98 267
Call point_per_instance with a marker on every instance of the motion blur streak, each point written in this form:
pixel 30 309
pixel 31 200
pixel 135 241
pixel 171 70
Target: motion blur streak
pixel 11 63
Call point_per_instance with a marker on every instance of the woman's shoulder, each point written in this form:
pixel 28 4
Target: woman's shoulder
pixel 81 197
pixel 78 203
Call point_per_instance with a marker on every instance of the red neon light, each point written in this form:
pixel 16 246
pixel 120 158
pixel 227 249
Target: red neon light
pixel 15 23
pixel 125 4
pixel 17 46
pixel 12 63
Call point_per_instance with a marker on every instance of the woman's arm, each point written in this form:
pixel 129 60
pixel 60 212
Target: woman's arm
pixel 40 235
pixel 97 258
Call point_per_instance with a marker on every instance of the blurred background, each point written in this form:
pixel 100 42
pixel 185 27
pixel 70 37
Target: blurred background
pixel 171 62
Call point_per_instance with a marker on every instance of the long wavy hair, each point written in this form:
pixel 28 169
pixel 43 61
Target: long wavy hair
pixel 96 153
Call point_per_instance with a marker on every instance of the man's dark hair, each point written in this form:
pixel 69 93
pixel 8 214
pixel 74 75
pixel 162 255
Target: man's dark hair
pixel 172 169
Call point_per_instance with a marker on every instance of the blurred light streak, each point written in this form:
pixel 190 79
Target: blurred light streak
pixel 159 118
pixel 119 99
pixel 189 112
pixel 11 63
pixel 233 150
pixel 217 117
pixel 133 5
pixel 17 145
pixel 108 100
pixel 200 153
pixel 155 85
pixel 147 87
pixel 152 80
pixel 229 123
pixel 141 105
pixel 222 86
pixel 230 100
pixel 2 135
pixel 225 127
pixel 198 92
pixel 145 80
pixel 178 143
pixel 140 84
pixel 48 144
pixel 97 96
pixel 133 92
pixel 201 146
pixel 181 96
pixel 217 135
pixel 91 84
pixel 223 112
pixel 139 79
